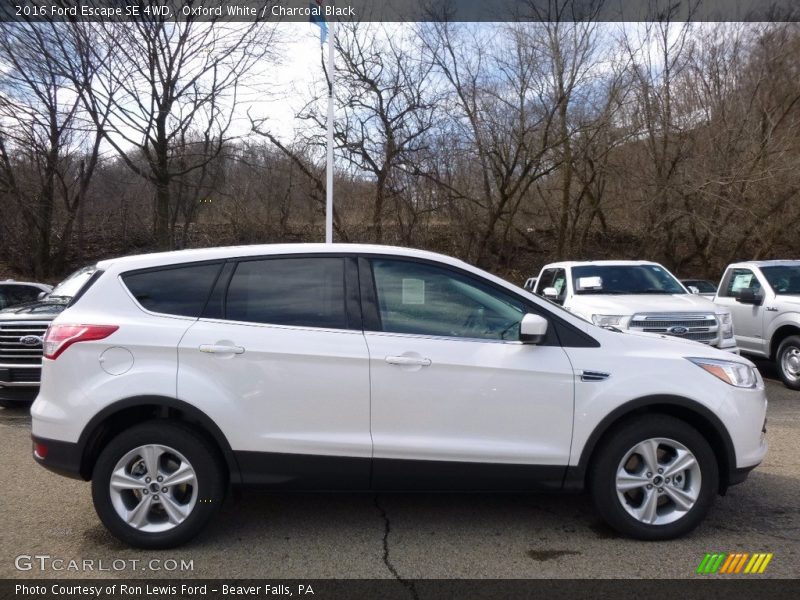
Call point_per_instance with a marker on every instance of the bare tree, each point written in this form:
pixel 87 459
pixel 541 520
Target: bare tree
pixel 166 82
pixel 48 148
pixel 663 122
pixel 387 101
pixel 501 123
pixel 745 171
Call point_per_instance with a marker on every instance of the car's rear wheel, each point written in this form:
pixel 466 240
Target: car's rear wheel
pixel 157 484
pixel 654 478
pixel 788 361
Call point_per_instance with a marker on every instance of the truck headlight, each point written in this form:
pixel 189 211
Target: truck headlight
pixel 733 373
pixel 726 324
pixel 607 320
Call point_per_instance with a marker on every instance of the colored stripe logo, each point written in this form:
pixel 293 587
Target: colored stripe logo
pixel 735 563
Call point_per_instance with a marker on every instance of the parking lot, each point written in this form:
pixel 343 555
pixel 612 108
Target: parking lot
pixel 399 535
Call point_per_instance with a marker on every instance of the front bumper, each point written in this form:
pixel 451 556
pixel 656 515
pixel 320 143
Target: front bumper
pixel 16 393
pixel 729 345
pixel 64 458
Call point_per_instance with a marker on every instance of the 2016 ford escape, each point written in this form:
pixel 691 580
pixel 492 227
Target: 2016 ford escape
pixel 174 376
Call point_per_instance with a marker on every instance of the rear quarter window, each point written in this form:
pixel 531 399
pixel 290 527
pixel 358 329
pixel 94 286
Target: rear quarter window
pixel 180 290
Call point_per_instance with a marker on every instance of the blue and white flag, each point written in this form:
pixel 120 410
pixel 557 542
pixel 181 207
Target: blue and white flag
pixel 317 16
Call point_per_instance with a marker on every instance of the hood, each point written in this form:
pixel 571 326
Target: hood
pixel 630 304
pixel 46 308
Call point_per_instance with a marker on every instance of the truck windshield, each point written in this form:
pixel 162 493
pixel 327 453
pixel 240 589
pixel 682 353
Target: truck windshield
pixel 784 279
pixel 626 279
pixel 72 284
pixel 703 286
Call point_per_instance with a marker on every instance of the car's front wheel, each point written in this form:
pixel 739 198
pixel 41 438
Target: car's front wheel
pixel 654 478
pixel 157 484
pixel 788 361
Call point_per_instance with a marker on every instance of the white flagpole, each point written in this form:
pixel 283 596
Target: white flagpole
pixel 329 186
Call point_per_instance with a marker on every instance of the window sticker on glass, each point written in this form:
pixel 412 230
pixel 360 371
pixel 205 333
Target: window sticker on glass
pixel 413 291
pixel 741 281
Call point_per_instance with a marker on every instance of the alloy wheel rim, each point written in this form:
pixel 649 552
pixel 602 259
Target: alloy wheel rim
pixel 790 363
pixel 153 488
pixel 658 481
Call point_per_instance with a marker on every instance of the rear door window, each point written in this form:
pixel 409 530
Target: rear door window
pixel 303 292
pixel 179 290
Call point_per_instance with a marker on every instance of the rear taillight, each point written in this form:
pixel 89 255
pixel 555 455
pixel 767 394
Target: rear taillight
pixel 60 337
pixel 39 450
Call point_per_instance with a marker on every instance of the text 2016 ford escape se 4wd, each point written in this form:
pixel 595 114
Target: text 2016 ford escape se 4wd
pixel 348 367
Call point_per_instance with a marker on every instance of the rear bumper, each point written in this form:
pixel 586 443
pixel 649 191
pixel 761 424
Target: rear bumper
pixel 60 457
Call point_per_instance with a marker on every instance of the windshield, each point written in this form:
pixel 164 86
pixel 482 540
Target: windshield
pixel 72 284
pixel 784 279
pixel 703 286
pixel 626 279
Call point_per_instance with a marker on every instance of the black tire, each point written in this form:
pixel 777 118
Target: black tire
pixel 790 344
pixel 608 458
pixel 201 455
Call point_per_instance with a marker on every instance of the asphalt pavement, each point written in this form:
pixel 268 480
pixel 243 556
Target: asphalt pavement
pixel 400 536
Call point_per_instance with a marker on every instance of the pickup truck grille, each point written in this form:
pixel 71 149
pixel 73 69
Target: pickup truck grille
pixel 19 375
pixel 697 327
pixel 15 353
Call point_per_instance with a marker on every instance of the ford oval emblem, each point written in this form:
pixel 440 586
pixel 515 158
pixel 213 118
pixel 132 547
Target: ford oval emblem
pixel 30 340
pixel 678 330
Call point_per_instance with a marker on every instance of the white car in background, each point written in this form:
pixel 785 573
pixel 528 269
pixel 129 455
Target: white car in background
pixel 636 296
pixel 764 297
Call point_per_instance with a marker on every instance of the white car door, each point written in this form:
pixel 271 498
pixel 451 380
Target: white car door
pixel 748 319
pixel 278 360
pixel 457 401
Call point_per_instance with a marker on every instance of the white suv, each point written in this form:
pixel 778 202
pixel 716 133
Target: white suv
pixel 346 367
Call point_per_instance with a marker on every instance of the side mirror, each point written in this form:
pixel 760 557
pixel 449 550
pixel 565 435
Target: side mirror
pixel 590 283
pixel 749 296
pixel 532 329
pixel 693 289
pixel 550 292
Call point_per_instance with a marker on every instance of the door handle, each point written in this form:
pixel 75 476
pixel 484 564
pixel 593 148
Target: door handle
pixel 415 361
pixel 221 349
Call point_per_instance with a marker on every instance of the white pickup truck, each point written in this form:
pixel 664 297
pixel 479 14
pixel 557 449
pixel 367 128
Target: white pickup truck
pixel 637 296
pixel 764 298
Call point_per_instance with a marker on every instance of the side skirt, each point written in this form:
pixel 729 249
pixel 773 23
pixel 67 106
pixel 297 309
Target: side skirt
pixel 303 472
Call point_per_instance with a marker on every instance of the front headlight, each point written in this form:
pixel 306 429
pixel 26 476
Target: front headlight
pixel 732 373
pixel 726 324
pixel 607 320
